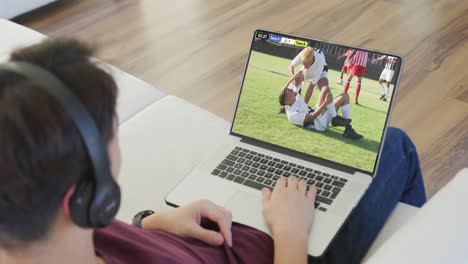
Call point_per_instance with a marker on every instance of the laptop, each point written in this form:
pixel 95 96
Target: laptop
pixel 266 142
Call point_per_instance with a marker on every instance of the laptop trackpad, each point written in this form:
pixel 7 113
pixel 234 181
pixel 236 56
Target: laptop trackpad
pixel 247 209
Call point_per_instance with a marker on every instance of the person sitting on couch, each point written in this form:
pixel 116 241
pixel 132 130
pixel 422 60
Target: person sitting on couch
pixel 50 195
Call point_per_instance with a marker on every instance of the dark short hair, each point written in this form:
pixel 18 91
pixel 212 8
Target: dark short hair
pixel 41 153
pixel 282 97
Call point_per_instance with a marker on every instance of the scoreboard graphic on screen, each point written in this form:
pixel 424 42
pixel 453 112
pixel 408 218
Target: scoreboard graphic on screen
pixel 284 40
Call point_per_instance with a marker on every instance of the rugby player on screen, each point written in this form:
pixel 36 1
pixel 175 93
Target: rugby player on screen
pixel 325 113
pixel 357 66
pixel 314 69
pixel 345 67
pixel 387 74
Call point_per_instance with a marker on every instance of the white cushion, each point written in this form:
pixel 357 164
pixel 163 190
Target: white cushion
pixel 402 214
pixel 13 8
pixel 438 233
pixel 15 36
pixel 134 94
pixel 160 145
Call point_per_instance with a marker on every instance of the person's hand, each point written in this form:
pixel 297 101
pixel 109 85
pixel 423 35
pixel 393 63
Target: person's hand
pixel 298 81
pixel 289 208
pixel 185 222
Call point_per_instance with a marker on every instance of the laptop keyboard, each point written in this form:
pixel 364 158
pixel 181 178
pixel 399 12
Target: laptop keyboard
pixel 258 170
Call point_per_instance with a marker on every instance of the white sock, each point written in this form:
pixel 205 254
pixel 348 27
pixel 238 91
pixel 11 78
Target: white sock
pixel 346 109
pixel 331 109
pixel 386 92
pixel 382 87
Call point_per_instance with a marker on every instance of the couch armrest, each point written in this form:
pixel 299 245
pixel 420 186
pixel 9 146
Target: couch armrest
pixel 438 233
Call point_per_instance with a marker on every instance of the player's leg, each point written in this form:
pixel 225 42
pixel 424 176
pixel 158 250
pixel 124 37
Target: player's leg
pixel 341 101
pixel 321 84
pixel 397 180
pixel 382 86
pixel 358 90
pixel 386 91
pixel 324 90
pixel 348 81
pixel 343 70
pixel 388 79
pixel 309 92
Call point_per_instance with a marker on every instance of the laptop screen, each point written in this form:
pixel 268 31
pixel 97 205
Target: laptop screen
pixel 322 99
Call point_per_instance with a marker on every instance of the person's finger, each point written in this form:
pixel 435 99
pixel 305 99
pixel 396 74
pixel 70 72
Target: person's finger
pixel 227 213
pixel 266 194
pixel 292 182
pixel 216 213
pixel 208 236
pixel 280 183
pixel 302 186
pixel 312 192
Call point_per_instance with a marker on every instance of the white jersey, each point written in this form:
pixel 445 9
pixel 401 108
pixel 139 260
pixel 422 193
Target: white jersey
pixel 390 62
pixel 298 111
pixel 314 72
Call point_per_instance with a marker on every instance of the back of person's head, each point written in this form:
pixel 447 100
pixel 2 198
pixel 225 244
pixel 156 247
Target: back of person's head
pixel 282 97
pixel 41 152
pixel 307 56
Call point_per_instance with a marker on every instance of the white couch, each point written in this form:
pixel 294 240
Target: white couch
pixel 159 150
pixel 12 8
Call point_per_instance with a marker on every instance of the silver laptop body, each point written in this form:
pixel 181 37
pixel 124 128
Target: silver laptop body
pixel 238 188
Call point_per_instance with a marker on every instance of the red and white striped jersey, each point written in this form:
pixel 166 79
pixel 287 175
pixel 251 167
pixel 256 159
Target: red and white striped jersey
pixel 359 58
pixel 390 63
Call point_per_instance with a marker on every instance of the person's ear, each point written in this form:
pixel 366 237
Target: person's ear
pixel 66 200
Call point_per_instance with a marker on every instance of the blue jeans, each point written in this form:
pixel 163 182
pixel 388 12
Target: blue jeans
pixel 398 179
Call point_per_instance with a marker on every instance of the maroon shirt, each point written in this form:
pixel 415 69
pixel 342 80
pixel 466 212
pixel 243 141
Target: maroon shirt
pixel 123 243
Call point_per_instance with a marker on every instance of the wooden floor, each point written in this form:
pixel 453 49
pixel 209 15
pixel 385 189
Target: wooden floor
pixel 197 50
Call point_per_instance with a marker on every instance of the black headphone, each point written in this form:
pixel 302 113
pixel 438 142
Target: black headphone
pixel 96 199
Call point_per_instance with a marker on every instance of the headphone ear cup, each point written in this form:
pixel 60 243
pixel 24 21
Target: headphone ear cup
pixel 80 203
pixel 105 203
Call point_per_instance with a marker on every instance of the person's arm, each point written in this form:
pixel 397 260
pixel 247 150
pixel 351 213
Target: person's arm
pixel 185 221
pixel 341 56
pixel 289 212
pixel 291 70
pixel 379 58
pixel 310 92
pixel 320 110
pixel 294 77
pixel 290 247
pixel 311 117
pixel 294 63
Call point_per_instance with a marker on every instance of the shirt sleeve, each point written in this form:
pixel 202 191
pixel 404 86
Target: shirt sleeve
pixel 297 60
pixel 296 118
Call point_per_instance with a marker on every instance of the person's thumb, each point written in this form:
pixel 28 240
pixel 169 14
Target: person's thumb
pixel 208 236
pixel 266 194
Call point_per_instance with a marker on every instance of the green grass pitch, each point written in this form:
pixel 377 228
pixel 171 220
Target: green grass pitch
pixel 256 115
